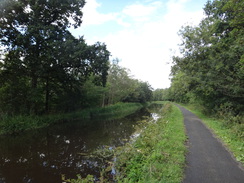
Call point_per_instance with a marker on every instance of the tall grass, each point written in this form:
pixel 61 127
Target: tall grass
pixel 17 124
pixel 158 155
pixel 116 110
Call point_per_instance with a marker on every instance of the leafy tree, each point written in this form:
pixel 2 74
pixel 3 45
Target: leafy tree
pixel 92 94
pixel 122 87
pixel 212 61
pixel 44 66
pixel 158 94
pixel 180 87
pixel 31 30
pixel 166 94
pixel 80 63
pixel 145 92
pixel 120 84
pixel 13 86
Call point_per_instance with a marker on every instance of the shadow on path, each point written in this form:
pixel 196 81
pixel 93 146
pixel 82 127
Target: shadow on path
pixel 207 160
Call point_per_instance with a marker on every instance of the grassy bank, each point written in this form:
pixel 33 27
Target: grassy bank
pixel 17 124
pixel 157 155
pixel 232 135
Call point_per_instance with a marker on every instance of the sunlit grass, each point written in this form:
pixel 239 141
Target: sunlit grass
pixel 158 155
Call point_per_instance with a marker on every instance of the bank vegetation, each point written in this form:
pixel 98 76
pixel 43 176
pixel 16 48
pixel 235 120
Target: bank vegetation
pixel 156 155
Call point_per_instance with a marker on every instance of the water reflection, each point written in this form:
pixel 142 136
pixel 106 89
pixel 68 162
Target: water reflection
pixel 41 156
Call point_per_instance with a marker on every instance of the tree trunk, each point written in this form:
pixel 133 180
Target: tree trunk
pixel 33 106
pixel 47 96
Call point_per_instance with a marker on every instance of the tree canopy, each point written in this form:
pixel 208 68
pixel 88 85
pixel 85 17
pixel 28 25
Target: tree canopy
pixel 45 69
pixel 122 87
pixel 43 64
pixel 211 66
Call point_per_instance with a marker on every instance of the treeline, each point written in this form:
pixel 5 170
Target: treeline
pixel 45 69
pixel 210 71
pixel 120 87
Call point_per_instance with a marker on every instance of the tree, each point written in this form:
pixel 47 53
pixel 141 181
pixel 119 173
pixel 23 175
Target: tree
pixel 93 95
pixel 212 56
pixel 32 30
pixel 122 87
pixel 120 84
pixel 145 92
pixel 49 64
pixel 158 94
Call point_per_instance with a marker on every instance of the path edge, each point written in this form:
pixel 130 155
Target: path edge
pixel 216 137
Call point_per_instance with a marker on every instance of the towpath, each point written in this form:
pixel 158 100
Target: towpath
pixel 208 161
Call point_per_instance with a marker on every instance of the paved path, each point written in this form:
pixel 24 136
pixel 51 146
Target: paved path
pixel 207 160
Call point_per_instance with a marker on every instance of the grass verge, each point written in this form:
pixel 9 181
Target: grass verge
pixel 17 124
pixel 158 155
pixel 229 134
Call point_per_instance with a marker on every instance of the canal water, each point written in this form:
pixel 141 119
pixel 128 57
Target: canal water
pixel 42 156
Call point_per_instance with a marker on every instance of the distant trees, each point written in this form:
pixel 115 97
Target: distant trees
pixel 120 87
pixel 123 88
pixel 120 84
pixel 211 68
pixel 163 94
pixel 158 95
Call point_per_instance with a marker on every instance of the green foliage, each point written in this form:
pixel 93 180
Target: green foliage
pixel 211 66
pixel 158 155
pixel 32 33
pixel 120 84
pixel 43 66
pixel 117 109
pixel 123 88
pixel 166 94
pixel 158 95
pixel 145 93
pixel 180 87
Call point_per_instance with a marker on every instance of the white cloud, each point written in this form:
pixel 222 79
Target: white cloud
pixel 145 49
pixel 178 16
pixel 92 17
pixel 146 55
pixel 149 32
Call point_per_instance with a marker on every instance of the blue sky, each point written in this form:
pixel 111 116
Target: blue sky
pixel 141 33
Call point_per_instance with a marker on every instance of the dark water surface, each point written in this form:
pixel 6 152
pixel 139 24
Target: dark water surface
pixel 43 155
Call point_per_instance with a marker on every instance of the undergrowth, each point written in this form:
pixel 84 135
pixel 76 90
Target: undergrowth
pixel 20 123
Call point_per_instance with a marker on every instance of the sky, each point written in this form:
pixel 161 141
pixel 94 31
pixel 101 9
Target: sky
pixel 142 34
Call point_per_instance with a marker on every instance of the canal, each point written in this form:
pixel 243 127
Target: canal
pixel 42 156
